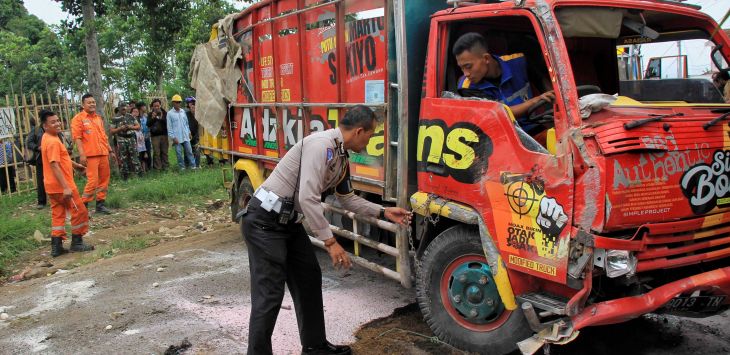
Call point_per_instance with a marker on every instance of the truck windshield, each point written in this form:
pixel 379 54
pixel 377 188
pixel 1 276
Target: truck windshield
pixel 647 56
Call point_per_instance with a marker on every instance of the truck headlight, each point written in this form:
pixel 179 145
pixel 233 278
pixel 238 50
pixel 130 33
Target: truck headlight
pixel 619 263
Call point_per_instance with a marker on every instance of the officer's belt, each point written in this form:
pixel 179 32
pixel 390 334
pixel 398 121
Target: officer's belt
pixel 259 197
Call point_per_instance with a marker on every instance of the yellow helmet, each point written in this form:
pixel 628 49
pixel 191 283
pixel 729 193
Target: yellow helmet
pixel 176 98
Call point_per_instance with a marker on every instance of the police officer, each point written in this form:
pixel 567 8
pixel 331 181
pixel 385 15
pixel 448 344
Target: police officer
pixel 278 246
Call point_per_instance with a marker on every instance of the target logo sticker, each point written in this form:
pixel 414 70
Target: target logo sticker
pixel 537 219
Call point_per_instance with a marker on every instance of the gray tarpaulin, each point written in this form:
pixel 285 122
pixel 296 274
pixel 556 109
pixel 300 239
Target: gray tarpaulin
pixel 215 76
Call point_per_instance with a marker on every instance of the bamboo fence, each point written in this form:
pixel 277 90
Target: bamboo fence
pixel 13 169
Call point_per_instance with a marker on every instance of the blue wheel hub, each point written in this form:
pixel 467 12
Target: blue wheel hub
pixel 473 293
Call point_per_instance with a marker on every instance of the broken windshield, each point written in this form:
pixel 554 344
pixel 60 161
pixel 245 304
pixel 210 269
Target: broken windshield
pixel 647 56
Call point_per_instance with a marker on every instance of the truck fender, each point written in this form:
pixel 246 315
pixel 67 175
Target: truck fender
pixel 248 167
pixel 243 168
pixel 426 205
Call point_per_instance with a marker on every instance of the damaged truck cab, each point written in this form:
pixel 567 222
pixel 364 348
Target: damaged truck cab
pixel 616 206
pixel 619 214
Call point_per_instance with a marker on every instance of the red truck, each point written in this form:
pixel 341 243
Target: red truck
pixel 621 209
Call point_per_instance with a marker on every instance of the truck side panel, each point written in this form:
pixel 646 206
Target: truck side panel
pixel 333 54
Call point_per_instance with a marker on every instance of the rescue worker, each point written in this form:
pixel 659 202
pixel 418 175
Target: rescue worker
pixel 179 132
pixel 279 248
pixel 125 127
pixel 87 131
pixel 503 79
pixel 59 183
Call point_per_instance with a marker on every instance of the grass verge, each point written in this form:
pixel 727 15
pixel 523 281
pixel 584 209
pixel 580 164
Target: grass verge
pixel 19 219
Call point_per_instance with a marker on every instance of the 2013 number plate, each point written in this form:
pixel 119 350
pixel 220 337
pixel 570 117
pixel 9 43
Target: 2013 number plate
pixel 695 304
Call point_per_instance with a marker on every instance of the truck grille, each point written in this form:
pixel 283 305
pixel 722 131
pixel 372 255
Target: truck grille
pixel 681 243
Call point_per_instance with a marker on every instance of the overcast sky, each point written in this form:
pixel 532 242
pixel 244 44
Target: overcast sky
pixel 50 11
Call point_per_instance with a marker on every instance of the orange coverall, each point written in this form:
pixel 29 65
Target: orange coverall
pixel 52 150
pixel 90 129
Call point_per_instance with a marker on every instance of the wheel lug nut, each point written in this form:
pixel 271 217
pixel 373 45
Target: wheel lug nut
pixel 483 280
pixel 457 299
pixel 462 278
pixel 489 302
pixel 473 313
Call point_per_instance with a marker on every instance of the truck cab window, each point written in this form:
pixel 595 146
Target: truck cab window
pixel 664 58
pixel 500 59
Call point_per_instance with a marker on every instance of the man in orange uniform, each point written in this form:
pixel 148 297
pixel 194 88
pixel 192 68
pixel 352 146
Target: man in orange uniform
pixel 61 189
pixel 87 130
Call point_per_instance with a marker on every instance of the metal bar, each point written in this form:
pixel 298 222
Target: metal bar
pixel 241 155
pixel 387 249
pixel 367 181
pixel 364 263
pixel 309 104
pixel 392 227
pixel 276 160
pixel 404 260
pixel 295 12
pixel 389 159
pixel 356 231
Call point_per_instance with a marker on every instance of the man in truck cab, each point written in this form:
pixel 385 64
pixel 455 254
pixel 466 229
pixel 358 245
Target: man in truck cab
pixel 499 78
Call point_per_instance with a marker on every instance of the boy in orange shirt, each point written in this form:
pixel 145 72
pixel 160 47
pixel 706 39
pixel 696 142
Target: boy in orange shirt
pixel 61 189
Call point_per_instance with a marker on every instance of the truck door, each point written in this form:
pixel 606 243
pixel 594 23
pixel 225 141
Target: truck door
pixel 472 150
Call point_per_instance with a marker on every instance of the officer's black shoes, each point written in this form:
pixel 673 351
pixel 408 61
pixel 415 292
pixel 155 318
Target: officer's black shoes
pixel 77 244
pixel 100 208
pixel 57 248
pixel 327 348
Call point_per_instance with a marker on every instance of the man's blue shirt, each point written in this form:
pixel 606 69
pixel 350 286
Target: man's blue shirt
pixel 6 152
pixel 514 87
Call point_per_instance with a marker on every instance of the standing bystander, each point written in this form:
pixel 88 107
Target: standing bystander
pixel 33 145
pixel 179 132
pixel 124 127
pixel 157 123
pixel 194 129
pixel 92 143
pixel 7 167
pixel 146 132
pixel 59 183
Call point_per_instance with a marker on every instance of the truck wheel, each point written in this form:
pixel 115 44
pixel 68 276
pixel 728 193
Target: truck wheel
pixel 459 299
pixel 245 193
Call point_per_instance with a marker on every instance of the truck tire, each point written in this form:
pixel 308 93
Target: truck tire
pixel 458 296
pixel 244 194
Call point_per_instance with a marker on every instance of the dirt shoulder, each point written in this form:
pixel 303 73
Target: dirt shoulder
pixel 161 275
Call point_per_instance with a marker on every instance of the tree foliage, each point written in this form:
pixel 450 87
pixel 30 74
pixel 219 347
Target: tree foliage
pixel 29 52
pixel 144 45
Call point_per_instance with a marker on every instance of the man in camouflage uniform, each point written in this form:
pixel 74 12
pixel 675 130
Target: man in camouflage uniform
pixel 123 128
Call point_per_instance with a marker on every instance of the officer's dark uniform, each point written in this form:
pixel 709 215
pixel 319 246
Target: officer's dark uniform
pixel 280 254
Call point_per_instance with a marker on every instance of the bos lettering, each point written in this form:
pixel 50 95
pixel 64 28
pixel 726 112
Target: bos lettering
pixel 708 185
pixel 460 151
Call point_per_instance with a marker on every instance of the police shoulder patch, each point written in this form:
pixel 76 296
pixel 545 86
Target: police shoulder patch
pixel 330 154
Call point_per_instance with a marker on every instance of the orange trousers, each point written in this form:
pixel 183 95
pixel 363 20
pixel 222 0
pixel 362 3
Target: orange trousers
pixel 97 178
pixel 79 215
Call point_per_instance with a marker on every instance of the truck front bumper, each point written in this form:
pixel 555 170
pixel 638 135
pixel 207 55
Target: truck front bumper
pixel 624 309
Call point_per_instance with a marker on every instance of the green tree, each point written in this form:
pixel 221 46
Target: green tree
pixel 86 12
pixel 29 52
